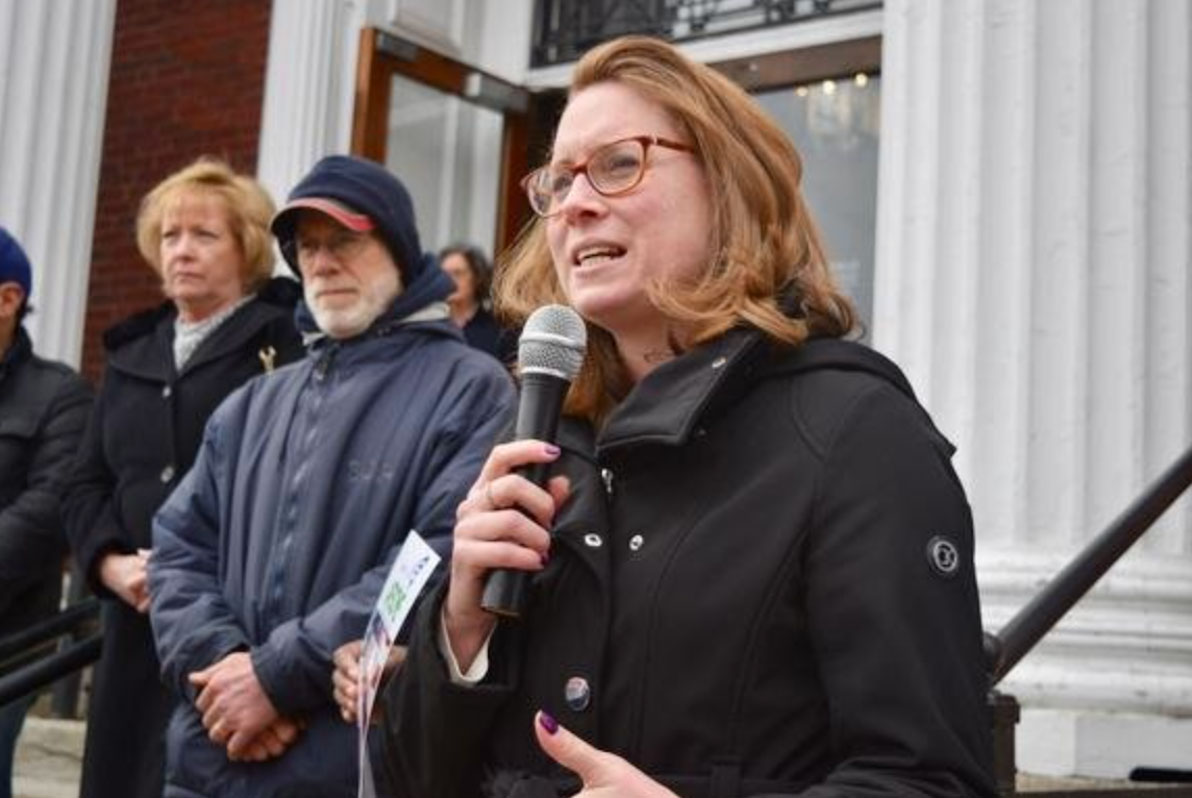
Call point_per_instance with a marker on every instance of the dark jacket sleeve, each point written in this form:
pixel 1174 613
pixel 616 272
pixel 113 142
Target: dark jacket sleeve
pixel 897 634
pixel 88 511
pixel 193 626
pixel 294 663
pixel 31 536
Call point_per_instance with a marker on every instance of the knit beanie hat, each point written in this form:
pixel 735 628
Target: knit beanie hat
pixel 14 264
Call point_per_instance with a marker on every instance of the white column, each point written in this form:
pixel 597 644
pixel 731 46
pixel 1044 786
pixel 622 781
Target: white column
pixel 54 60
pixel 309 88
pixel 1032 276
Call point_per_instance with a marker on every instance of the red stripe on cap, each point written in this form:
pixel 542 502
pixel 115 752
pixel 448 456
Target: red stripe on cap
pixel 357 222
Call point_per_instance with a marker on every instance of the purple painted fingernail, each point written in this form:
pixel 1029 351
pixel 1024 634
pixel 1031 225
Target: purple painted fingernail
pixel 547 722
pixel 544 557
pixel 552 450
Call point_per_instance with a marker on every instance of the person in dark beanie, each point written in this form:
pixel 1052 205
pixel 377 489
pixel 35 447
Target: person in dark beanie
pixel 43 409
pixel 271 553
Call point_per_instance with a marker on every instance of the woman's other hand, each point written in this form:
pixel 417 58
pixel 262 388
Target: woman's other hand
pixel 502 523
pixel 345 679
pixel 604 775
pixel 125 575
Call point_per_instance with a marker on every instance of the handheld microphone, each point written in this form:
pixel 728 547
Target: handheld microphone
pixel 549 355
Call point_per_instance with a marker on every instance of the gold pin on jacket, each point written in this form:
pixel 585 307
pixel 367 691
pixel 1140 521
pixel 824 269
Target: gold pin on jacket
pixel 267 354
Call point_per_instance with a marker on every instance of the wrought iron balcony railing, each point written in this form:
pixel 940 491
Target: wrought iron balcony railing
pixel 564 29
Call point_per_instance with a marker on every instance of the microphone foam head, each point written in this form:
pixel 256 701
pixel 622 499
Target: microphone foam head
pixel 552 342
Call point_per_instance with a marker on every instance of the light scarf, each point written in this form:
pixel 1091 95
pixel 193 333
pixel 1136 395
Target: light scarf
pixel 188 335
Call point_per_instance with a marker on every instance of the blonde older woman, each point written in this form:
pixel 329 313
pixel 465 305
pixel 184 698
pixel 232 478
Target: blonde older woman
pixel 205 230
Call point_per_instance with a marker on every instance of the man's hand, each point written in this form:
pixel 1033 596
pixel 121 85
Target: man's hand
pixel 235 709
pixel 604 775
pixel 126 576
pixel 271 743
pixel 346 676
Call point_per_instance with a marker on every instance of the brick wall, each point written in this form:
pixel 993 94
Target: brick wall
pixel 187 79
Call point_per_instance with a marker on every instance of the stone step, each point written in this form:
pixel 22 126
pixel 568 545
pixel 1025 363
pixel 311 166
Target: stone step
pixel 1033 786
pixel 49 758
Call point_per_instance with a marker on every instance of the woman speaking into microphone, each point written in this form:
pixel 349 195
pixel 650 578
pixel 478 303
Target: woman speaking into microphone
pixel 751 571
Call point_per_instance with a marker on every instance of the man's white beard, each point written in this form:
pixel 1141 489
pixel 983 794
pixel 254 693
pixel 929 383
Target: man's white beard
pixel 348 322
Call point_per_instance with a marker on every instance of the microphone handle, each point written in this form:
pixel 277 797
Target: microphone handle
pixel 538 418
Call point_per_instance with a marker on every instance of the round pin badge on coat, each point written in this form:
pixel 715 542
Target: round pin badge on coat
pixel 943 556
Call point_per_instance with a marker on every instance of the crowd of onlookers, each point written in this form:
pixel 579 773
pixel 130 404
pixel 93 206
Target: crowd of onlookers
pixel 328 463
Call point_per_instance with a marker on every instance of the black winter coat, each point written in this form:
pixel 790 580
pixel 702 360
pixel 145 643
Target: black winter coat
pixel 43 409
pixel 141 440
pixel 762 585
pixel 484 333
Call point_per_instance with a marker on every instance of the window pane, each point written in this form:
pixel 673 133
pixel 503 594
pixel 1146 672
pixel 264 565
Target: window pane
pixel 834 125
pixel 448 152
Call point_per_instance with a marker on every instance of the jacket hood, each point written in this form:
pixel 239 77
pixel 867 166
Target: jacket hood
pixel 366 188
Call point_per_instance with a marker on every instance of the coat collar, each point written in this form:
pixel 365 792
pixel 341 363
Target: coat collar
pixel 18 352
pixel 677 398
pixel 231 335
pixel 431 316
pixel 425 300
pixel 150 354
pixel 666 407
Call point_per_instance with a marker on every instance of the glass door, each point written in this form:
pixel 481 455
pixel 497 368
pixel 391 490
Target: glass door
pixel 834 124
pixel 455 135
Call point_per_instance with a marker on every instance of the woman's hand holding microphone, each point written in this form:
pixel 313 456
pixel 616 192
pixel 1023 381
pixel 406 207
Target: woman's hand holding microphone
pixel 503 523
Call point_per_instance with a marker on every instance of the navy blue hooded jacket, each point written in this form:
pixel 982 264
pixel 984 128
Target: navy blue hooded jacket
pixel 278 540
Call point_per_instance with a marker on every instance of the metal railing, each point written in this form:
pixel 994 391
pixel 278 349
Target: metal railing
pixel 21 675
pixel 1006 648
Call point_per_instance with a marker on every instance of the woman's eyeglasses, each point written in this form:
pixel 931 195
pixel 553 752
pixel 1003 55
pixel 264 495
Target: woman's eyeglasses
pixel 612 169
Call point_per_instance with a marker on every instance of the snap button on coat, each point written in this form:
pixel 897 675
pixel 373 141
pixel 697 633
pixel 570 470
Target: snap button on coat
pixel 577 693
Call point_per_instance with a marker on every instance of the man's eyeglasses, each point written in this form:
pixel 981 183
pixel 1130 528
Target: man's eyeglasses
pixel 612 169
pixel 341 245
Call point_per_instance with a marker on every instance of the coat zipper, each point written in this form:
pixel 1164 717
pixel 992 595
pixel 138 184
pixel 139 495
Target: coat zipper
pixel 323 364
pixel 275 595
